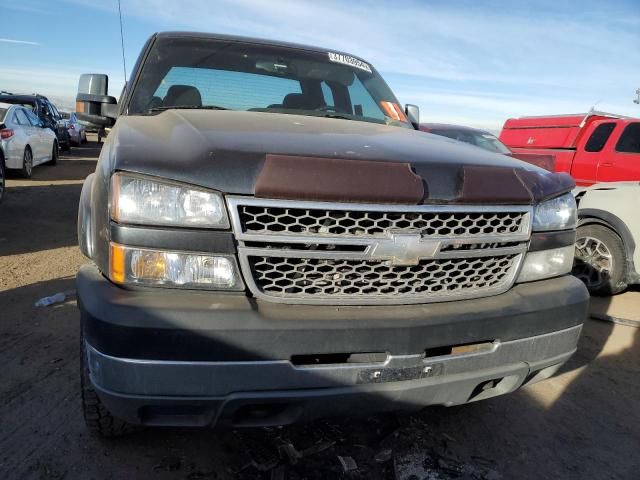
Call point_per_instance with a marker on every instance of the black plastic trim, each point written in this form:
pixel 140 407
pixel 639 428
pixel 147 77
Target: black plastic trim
pixel 548 240
pixel 174 239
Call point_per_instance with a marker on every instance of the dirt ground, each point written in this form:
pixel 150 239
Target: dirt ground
pixel 584 423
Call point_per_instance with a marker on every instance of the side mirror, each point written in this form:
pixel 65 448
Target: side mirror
pixel 92 102
pixel 413 115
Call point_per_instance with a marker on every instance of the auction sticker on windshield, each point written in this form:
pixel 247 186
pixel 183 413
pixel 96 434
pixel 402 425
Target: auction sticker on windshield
pixel 348 60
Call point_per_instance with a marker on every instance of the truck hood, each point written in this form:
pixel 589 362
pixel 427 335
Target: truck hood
pixel 226 150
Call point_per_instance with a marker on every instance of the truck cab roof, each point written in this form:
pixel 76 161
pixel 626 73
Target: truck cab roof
pixel 244 39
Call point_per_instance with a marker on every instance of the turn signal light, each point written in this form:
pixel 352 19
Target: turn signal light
pixel 150 267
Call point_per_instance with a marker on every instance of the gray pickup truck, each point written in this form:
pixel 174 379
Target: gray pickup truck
pixel 272 239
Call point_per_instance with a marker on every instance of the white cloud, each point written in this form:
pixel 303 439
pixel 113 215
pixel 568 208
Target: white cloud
pixel 430 40
pixel 21 42
pixel 477 63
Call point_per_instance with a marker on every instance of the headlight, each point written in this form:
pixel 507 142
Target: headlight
pixel 558 213
pixel 547 264
pixel 144 266
pixel 145 201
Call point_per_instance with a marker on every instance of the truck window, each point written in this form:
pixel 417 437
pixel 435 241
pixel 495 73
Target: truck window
pixel 21 118
pixel 599 137
pixel 203 73
pixel 362 100
pixel 235 90
pixel 629 141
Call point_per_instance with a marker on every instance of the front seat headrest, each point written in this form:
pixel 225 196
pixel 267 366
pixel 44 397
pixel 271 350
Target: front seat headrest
pixel 296 101
pixel 182 95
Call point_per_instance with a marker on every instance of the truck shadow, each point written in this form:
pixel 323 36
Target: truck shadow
pixel 28 230
pixel 36 215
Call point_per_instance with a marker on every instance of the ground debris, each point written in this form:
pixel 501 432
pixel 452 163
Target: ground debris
pixel 374 448
pixel 384 455
pixel 59 297
pixel 348 464
pixel 168 464
pixel 420 465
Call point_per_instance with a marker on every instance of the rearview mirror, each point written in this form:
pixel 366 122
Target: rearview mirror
pixel 413 115
pixel 93 104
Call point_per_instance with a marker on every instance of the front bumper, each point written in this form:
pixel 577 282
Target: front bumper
pixel 167 357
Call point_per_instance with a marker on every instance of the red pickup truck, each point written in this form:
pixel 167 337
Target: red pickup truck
pixel 593 147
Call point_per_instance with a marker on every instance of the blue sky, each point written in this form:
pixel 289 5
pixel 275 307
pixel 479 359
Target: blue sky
pixel 469 62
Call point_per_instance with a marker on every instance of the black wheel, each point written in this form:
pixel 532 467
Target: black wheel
pixel 98 419
pixel 600 260
pixel 27 163
pixel 3 181
pixel 54 154
pixel 65 146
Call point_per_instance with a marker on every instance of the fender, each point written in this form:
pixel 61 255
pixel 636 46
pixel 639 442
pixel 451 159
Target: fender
pixel 85 231
pixel 588 216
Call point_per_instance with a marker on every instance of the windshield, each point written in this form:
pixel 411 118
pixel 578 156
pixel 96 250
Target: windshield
pixel 3 112
pixel 478 138
pixel 225 75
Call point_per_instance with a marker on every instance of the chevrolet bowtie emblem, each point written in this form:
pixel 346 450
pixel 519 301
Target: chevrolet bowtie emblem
pixel 405 248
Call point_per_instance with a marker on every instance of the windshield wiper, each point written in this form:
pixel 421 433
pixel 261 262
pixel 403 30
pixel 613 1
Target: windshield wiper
pixel 336 115
pixel 187 107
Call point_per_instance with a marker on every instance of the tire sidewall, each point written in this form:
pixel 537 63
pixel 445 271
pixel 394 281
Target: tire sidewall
pixel 55 151
pixel 3 178
pixel 27 171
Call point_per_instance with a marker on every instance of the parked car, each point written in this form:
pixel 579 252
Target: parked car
pixel 473 136
pixel 3 172
pixel 272 240
pixel 46 112
pixel 593 147
pixel 77 131
pixel 607 259
pixel 25 141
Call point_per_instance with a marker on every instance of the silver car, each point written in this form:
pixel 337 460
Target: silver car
pixel 77 132
pixel 24 141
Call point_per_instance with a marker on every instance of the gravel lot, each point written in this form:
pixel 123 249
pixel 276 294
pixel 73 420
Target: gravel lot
pixel 584 423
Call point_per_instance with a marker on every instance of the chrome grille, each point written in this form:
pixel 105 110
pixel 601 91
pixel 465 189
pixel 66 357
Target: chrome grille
pixel 355 254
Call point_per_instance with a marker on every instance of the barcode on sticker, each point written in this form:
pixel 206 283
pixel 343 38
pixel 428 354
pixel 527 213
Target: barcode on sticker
pixel 348 60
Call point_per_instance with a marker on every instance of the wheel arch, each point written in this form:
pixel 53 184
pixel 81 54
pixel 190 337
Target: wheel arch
pixel 594 216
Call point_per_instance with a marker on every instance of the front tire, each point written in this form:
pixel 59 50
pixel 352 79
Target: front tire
pixel 99 420
pixel 67 145
pixel 54 154
pixel 600 260
pixel 27 163
pixel 3 178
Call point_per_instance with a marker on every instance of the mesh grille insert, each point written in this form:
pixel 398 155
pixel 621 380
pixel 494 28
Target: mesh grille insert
pixel 308 277
pixel 280 220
